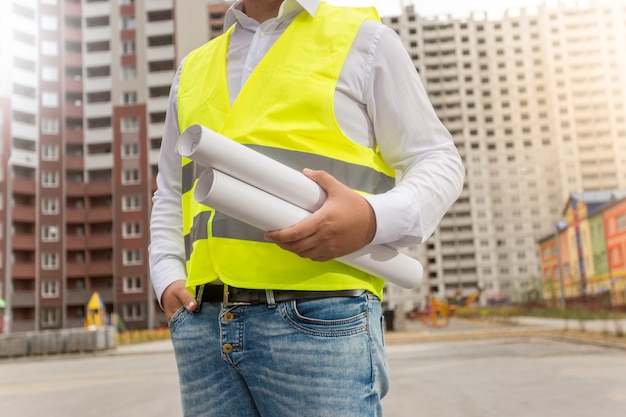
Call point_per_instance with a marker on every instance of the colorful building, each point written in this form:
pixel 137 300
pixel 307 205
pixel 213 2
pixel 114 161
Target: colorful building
pixel 586 254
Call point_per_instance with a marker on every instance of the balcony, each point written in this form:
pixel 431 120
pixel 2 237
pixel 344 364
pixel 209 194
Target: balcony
pixel 100 241
pixel 77 297
pixel 24 241
pixel 106 294
pixel 160 53
pixel 75 269
pixel 74 162
pixel 99 135
pixel 99 188
pixel 23 270
pixel 72 9
pixel 24 186
pixel 160 28
pixel 74 110
pixel 24 130
pixel 100 268
pixel 74 59
pixel 74 215
pixel 75 242
pixel 24 214
pixel 158 5
pixel 99 33
pixel 74 136
pixel 75 189
pixel 99 215
pixel 23 299
pixel 73 34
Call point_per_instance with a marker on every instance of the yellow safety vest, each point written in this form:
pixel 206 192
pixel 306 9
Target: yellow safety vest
pixel 285 110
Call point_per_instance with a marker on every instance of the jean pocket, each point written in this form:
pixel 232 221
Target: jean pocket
pixel 328 317
pixel 178 318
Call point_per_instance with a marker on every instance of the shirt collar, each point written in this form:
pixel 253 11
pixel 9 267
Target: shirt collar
pixel 291 5
pixel 235 13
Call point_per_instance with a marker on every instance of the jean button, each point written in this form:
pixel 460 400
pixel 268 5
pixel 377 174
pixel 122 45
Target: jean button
pixel 228 348
pixel 229 317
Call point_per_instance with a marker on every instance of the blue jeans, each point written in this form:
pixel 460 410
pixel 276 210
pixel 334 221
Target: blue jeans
pixel 315 358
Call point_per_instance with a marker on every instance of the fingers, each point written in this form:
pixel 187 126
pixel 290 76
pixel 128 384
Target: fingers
pixel 344 224
pixel 176 296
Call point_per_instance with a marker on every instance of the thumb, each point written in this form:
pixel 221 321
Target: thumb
pixel 322 178
pixel 186 299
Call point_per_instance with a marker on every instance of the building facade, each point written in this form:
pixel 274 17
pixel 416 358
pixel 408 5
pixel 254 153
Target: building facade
pixel 83 97
pixel 534 100
pixel 585 258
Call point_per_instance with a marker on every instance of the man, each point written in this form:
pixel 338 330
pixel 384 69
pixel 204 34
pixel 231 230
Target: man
pixel 269 324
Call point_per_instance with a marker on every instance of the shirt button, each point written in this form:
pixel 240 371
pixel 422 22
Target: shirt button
pixel 229 317
pixel 250 69
pixel 228 348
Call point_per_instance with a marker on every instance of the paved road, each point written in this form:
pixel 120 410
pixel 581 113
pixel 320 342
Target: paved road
pixel 515 377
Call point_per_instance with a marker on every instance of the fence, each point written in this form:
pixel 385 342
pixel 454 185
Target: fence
pixel 53 342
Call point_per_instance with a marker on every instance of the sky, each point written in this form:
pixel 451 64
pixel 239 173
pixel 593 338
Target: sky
pixel 434 7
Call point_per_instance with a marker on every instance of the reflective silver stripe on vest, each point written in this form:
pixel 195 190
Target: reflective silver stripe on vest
pixel 223 226
pixel 357 177
pixel 199 231
pixel 191 172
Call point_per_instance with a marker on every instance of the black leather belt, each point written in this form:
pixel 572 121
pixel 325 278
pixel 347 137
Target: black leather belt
pixel 240 296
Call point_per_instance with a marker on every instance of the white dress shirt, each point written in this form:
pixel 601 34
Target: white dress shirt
pixel 379 101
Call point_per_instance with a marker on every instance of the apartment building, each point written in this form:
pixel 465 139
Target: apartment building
pixel 535 102
pixel 83 99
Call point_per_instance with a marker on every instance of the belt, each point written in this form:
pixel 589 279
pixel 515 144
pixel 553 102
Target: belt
pixel 241 296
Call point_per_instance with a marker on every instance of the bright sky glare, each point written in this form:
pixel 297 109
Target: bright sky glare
pixel 430 7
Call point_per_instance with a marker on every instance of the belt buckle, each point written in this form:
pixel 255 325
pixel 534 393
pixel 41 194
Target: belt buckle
pixel 227 303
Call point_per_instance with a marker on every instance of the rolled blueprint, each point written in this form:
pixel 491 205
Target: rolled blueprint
pixel 268 195
pixel 213 150
pixel 265 211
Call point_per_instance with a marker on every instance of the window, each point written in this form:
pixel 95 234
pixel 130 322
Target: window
pixel 49 48
pixel 50 261
pixel 129 72
pixel 49 126
pixel 131 203
pixel 50 152
pixel 129 48
pixel 132 312
pixel 50 317
pixel 130 176
pixel 49 99
pixel 129 97
pixel 133 284
pixel 50 289
pixel 50 179
pixel 616 256
pixel 129 124
pixel 128 22
pixel 130 150
pixel 132 257
pixel 620 222
pixel 49 73
pixel 49 23
pixel 50 206
pixel 50 234
pixel 131 229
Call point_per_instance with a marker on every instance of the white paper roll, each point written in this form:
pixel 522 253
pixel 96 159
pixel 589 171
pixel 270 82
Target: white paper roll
pixel 268 212
pixel 213 150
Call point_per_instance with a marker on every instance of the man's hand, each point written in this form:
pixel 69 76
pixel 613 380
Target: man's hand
pixel 344 224
pixel 175 296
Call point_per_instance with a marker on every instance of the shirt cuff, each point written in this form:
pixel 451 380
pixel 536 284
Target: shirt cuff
pixel 398 220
